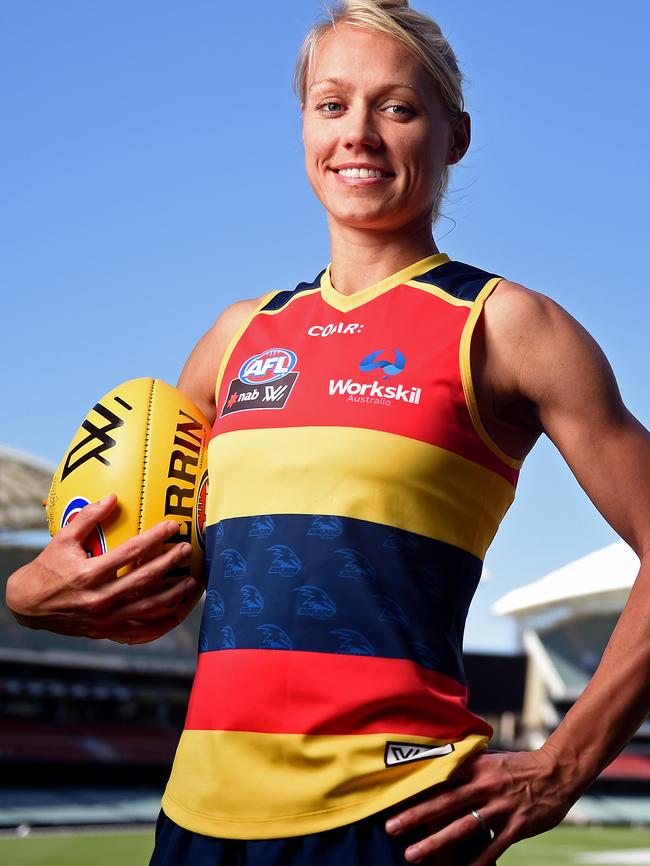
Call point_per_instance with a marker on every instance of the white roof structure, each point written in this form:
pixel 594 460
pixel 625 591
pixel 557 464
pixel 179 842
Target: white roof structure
pixel 602 577
pixel 24 484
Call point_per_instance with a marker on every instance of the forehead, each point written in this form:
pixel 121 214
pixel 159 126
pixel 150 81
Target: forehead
pixel 366 58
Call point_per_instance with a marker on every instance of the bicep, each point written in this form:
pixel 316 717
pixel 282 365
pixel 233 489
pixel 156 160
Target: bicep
pixel 199 375
pixel 579 406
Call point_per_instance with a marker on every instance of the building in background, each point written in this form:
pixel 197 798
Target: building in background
pixel 565 620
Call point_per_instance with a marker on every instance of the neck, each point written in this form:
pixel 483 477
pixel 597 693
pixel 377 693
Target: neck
pixel 361 258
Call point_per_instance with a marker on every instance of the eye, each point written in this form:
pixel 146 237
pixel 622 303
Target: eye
pixel 330 106
pixel 401 110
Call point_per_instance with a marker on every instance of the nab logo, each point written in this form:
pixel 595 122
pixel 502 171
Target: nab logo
pixel 268 366
pixel 390 368
pixel 94 543
pixel 404 753
pixel 265 381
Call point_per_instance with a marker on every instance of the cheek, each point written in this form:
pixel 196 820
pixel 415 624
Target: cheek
pixel 317 148
pixel 429 162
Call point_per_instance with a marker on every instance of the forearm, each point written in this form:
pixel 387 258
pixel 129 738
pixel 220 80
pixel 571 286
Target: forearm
pixel 616 701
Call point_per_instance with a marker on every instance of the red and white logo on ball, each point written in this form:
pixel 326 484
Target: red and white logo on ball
pixel 200 510
pixel 94 543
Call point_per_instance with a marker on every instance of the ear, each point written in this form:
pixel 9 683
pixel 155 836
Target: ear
pixel 460 134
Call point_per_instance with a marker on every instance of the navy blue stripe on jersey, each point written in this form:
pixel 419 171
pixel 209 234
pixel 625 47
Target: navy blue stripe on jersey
pixel 278 301
pixel 303 583
pixel 456 278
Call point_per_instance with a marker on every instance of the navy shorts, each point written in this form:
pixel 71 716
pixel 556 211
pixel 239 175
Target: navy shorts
pixel 363 843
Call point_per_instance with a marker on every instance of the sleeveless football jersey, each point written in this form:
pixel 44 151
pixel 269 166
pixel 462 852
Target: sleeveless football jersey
pixel 353 494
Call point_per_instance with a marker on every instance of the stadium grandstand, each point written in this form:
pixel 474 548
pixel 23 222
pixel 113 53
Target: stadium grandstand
pixel 88 728
pixel 565 620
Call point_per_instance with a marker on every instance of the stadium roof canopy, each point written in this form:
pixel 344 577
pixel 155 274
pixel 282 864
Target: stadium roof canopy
pixel 604 576
pixel 24 484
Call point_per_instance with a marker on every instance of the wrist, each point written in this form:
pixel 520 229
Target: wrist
pixel 565 767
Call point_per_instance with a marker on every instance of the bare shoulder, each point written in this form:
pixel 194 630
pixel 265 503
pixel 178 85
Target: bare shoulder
pixel 541 354
pixel 199 374
pixel 520 314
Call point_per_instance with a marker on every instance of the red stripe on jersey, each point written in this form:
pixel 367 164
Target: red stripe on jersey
pixel 293 692
pixel 427 333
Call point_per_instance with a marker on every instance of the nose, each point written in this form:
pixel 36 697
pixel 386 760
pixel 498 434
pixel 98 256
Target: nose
pixel 360 129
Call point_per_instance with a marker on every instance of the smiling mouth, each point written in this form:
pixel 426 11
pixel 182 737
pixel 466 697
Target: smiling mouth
pixel 362 172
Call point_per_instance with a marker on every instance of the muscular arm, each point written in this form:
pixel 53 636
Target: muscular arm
pixel 567 377
pixel 547 366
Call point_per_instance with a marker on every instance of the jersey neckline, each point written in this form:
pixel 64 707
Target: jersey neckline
pixel 344 303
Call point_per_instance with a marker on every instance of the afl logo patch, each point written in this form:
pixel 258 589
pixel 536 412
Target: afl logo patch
pixel 94 543
pixel 268 366
pixel 199 513
pixel 265 381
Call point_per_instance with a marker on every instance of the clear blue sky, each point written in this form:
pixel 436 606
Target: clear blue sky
pixel 152 174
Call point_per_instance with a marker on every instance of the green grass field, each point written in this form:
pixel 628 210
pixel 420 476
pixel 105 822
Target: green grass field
pixel 561 847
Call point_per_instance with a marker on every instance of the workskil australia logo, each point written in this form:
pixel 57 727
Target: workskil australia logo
pixel 265 381
pixel 377 392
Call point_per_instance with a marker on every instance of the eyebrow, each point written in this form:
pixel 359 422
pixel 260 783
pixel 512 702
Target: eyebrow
pixel 339 82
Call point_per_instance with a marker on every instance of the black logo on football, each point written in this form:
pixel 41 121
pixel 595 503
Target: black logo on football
pixel 97 441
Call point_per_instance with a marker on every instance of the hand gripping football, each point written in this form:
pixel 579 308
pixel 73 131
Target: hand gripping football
pixel 147 443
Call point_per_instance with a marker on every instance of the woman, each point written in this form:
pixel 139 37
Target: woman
pixel 369 431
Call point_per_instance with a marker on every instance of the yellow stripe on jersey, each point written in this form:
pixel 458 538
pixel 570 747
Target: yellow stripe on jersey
pixel 466 375
pixel 346 303
pixel 292 799
pixel 360 473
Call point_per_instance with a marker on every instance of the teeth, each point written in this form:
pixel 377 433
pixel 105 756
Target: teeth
pixel 362 172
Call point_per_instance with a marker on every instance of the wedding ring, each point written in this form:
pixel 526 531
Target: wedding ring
pixel 480 820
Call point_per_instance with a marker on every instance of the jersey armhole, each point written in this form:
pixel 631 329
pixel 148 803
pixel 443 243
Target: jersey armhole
pixel 466 375
pixel 235 339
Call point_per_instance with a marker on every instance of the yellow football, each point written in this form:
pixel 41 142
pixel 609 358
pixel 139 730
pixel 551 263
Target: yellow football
pixel 147 443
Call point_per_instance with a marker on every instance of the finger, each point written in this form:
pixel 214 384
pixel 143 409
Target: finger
pixel 153 551
pixel 88 518
pixel 444 839
pixel 136 632
pixel 149 577
pixel 128 552
pixel 432 809
pixel 498 846
pixel 156 607
pixel 106 596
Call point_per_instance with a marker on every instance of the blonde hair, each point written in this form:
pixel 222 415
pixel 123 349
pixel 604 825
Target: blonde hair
pixel 417 32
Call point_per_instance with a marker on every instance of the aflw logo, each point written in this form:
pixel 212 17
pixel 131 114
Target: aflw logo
pixel 402 753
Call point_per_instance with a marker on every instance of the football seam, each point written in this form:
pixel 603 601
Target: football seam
pixel 147 437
